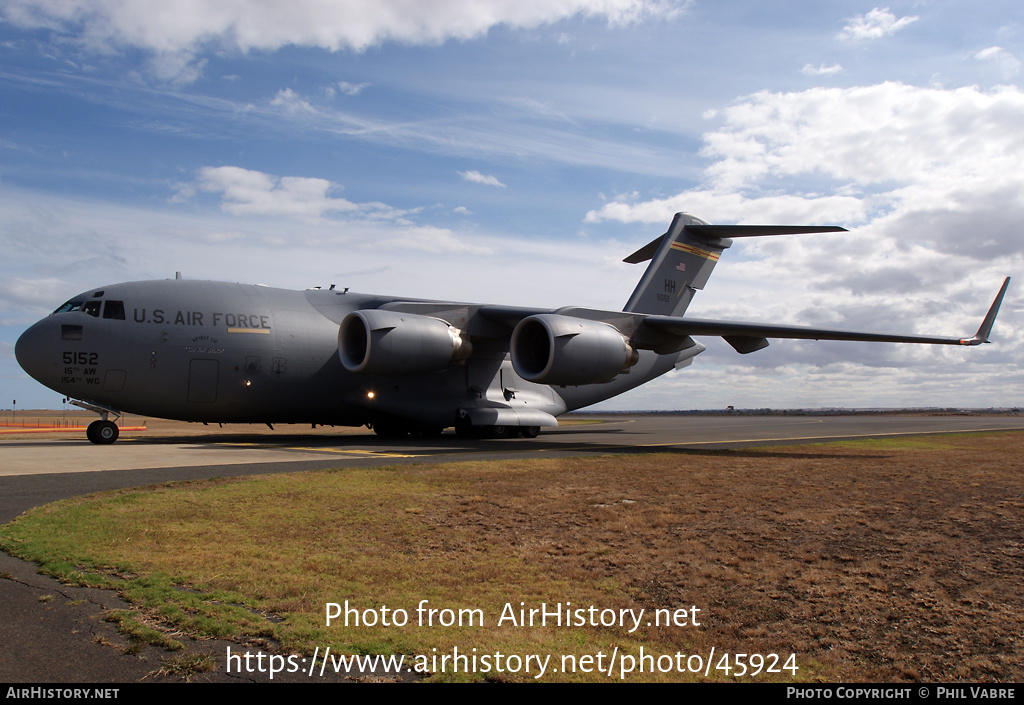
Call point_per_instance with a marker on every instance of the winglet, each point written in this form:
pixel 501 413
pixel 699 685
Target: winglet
pixel 986 326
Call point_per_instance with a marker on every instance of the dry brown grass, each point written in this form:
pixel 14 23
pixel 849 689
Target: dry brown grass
pixel 883 560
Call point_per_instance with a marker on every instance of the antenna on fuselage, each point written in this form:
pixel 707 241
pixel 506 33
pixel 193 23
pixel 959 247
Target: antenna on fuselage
pixel 177 275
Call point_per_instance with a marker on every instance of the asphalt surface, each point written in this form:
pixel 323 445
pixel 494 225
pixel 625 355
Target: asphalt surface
pixel 53 633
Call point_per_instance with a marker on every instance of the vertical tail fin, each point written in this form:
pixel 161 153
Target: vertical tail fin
pixel 683 258
pixel 681 263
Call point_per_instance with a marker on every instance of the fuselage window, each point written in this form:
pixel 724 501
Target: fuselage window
pixel 92 308
pixel 114 310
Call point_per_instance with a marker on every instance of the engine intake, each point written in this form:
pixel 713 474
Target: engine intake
pixel 553 349
pixel 393 344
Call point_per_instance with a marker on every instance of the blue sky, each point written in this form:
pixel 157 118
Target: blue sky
pixel 515 152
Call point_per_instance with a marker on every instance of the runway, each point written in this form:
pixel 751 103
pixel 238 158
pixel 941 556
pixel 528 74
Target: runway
pixel 62 640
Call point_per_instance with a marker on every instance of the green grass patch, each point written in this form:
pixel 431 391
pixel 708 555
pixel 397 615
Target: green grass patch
pixel 130 624
pixel 214 558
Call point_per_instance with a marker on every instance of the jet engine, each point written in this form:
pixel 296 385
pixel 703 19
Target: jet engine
pixel 377 342
pixel 553 349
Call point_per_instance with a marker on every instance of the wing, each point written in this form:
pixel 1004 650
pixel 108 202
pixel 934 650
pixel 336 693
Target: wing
pixel 574 346
pixel 748 337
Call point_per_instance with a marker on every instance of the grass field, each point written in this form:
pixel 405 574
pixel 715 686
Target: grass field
pixel 892 560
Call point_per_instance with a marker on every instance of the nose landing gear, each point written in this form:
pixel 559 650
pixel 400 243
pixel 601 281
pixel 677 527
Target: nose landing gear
pixel 102 431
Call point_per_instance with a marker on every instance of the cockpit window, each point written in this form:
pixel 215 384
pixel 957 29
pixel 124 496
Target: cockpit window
pixel 111 309
pixel 114 309
pixel 69 306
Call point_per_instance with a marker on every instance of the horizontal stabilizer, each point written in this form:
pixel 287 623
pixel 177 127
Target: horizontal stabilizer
pixel 646 252
pixel 720 231
pixel 708 232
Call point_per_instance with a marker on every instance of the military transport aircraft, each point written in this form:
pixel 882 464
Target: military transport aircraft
pixel 221 352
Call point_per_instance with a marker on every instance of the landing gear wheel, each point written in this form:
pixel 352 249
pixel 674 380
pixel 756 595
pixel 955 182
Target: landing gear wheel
pixel 102 432
pixel 464 429
pixel 503 431
pixel 529 431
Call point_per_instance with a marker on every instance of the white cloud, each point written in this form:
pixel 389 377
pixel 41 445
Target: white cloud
pixel 177 30
pixel 246 192
pixel 870 135
pixel 433 239
pixel 477 178
pixel 723 206
pixel 889 153
pixel 252 195
pixel 20 292
pixel 1008 64
pixel 874 25
pixel 291 102
pixel 177 67
pixel 821 70
pixel 351 88
pixel 931 181
pixel 536 108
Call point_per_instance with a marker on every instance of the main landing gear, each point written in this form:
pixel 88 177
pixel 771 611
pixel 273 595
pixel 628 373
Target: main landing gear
pixel 503 431
pixel 465 430
pixel 462 430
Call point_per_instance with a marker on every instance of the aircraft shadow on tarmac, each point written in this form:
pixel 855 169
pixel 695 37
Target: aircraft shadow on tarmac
pixel 449 444
pixel 448 440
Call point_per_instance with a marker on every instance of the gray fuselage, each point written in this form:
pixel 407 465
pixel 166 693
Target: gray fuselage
pixel 224 352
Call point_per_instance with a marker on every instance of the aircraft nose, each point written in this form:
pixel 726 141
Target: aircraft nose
pixel 34 351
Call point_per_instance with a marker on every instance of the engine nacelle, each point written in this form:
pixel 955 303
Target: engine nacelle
pixel 393 344
pixel 553 349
